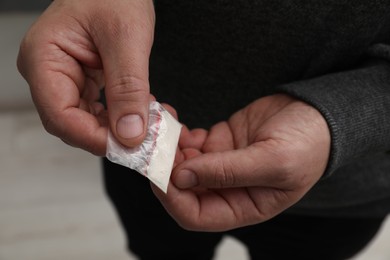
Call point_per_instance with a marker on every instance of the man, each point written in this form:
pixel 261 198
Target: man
pixel 286 104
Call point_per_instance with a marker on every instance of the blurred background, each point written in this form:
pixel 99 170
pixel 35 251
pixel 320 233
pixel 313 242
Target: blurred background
pixel 52 200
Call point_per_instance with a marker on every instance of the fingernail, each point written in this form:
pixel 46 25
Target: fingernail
pixel 129 126
pixel 186 179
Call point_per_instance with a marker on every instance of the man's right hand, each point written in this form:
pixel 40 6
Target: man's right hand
pixel 77 47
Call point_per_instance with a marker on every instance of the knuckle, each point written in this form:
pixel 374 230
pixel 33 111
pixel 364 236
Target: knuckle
pixel 223 173
pixel 21 58
pixel 49 124
pixel 188 225
pixel 51 120
pixel 128 86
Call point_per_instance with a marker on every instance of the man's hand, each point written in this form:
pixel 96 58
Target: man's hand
pixel 250 168
pixel 77 47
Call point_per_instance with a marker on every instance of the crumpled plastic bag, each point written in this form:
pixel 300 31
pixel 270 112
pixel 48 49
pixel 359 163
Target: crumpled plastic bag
pixel 154 158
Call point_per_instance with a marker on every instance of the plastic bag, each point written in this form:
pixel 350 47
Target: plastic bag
pixel 155 156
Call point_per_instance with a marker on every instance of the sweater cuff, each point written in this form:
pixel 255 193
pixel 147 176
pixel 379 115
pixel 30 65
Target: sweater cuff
pixel 356 106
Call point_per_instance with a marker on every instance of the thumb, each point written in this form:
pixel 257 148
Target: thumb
pixel 125 47
pixel 245 167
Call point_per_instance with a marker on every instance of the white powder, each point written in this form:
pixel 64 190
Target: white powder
pixel 154 158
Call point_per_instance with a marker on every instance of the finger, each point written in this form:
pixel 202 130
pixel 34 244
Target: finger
pixel 56 81
pixel 189 153
pixel 248 167
pixel 124 44
pixel 59 109
pixel 94 82
pixel 220 139
pixel 171 110
pixel 185 154
pixel 210 210
pixel 189 211
pixel 192 139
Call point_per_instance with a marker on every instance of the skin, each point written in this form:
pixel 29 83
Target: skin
pixel 240 172
pixel 250 168
pixel 74 49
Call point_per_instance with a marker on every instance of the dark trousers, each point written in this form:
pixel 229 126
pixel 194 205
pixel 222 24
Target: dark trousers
pixel 153 234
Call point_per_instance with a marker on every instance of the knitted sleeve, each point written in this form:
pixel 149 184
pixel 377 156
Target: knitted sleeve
pixel 356 105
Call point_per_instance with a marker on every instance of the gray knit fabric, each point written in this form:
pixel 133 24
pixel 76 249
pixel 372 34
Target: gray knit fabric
pixel 220 55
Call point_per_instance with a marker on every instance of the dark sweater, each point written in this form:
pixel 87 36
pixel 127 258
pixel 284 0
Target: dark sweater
pixel 212 57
